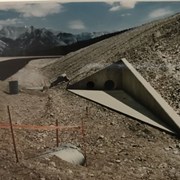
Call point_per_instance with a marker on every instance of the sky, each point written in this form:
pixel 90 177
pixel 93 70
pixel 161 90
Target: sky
pixel 79 17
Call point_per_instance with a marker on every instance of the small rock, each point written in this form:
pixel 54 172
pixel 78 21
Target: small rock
pixel 32 175
pixel 178 145
pixel 70 171
pixel 50 96
pixel 47 159
pixel 118 161
pixel 177 68
pixel 173 170
pixel 176 152
pixel 52 164
pixel 51 114
pixel 43 178
pixel 91 175
pixel 171 147
pixel 102 151
pixel 44 135
pixel 167 148
pixel 112 123
pixel 142 171
pixel 135 145
pixel 31 145
pixel 177 175
pixel 139 159
pixel 101 137
pixel 163 165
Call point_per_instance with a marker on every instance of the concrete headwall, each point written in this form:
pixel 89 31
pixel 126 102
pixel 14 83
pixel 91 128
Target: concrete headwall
pixel 110 76
pixel 136 86
pixel 122 76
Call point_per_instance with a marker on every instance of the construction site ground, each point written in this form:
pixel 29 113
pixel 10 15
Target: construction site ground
pixel 117 146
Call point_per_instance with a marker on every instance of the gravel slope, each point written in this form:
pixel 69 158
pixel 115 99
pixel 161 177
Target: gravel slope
pixel 117 146
pixel 153 49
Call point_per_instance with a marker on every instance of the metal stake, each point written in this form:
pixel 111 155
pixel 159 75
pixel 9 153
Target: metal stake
pixel 12 132
pixel 84 141
pixel 57 134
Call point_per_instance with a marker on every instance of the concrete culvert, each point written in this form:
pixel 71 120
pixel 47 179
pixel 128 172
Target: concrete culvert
pixel 70 153
pixel 109 85
pixel 90 85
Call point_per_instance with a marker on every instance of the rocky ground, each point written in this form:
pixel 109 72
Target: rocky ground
pixel 117 146
pixel 153 49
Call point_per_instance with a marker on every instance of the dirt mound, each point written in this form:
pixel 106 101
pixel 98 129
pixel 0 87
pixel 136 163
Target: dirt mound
pixel 10 67
pixel 117 146
pixel 30 76
pixel 153 49
pixel 25 70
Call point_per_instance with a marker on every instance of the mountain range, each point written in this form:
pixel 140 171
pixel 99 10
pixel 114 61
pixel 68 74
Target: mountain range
pixel 15 41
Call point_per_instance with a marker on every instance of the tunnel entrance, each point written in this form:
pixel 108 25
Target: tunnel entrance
pixel 109 85
pixel 90 85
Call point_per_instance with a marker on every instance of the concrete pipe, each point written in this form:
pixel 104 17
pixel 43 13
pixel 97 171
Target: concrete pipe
pixel 70 153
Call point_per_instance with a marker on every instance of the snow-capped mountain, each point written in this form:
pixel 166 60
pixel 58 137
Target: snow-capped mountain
pixel 74 38
pixel 38 38
pixel 26 40
pixel 89 35
pixel 67 38
pixel 12 32
pixel 3 45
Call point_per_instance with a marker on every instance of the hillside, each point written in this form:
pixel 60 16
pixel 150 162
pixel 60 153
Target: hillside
pixel 31 41
pixel 117 146
pixel 153 49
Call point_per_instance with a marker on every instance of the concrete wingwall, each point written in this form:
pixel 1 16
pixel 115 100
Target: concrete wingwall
pixel 122 76
pixel 136 86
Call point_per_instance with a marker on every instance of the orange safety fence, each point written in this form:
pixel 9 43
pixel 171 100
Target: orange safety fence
pixel 35 127
pixel 56 127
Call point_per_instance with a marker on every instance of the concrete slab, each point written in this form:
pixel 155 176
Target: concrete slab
pixel 120 101
pixel 134 84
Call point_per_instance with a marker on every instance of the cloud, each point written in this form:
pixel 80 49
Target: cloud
pixel 8 22
pixel 160 13
pixel 77 25
pixel 32 9
pixel 126 14
pixel 124 4
pixel 128 4
pixel 109 2
pixel 115 8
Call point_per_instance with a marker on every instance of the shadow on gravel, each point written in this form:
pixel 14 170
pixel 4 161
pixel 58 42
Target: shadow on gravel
pixel 10 67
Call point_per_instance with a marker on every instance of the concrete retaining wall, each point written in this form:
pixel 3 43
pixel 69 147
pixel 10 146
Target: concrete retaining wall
pixel 135 85
pixel 122 76
pixel 97 81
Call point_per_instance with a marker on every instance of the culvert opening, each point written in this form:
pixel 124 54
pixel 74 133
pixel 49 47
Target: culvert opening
pixel 90 85
pixel 109 85
pixel 70 153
